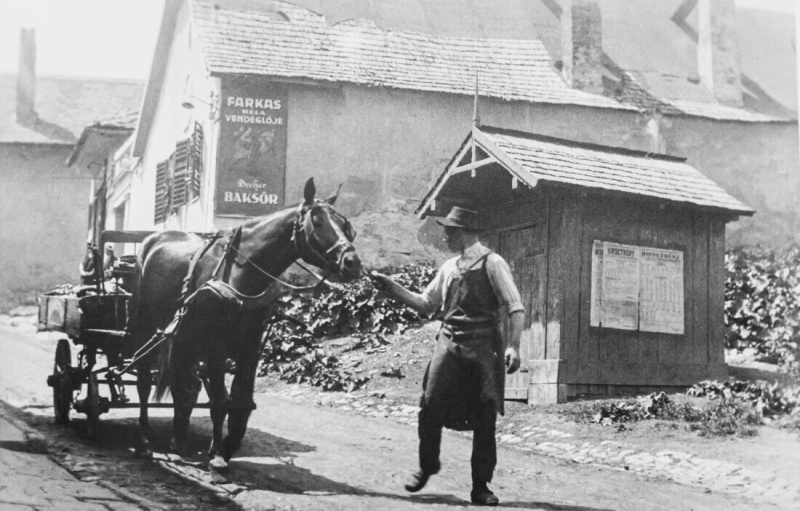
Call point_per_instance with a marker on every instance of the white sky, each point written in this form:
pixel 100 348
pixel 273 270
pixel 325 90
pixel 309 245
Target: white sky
pixel 115 38
pixel 98 38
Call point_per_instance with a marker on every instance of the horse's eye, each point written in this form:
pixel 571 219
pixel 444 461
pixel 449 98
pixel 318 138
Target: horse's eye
pixel 316 220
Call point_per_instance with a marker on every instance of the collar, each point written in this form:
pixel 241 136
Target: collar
pixel 471 254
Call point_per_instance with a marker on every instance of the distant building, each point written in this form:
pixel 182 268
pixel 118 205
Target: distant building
pixel 280 93
pixel 42 201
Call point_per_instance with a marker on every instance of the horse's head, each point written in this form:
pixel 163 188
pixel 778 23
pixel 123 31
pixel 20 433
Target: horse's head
pixel 326 237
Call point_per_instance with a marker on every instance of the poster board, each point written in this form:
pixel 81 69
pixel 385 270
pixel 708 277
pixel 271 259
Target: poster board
pixel 251 171
pixel 637 288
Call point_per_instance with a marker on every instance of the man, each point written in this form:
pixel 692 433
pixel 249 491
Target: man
pixel 464 383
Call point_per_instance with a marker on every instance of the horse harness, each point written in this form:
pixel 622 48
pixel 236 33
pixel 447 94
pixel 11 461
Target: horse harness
pixel 216 288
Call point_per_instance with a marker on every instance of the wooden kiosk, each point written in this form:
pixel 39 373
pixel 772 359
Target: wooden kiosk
pixel 618 255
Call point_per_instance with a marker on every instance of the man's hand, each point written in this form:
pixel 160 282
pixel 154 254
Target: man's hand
pixel 383 283
pixel 512 360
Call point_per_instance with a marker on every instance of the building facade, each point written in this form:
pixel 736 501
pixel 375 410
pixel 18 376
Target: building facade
pixel 381 112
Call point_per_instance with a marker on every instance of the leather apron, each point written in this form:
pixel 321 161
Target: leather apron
pixel 467 368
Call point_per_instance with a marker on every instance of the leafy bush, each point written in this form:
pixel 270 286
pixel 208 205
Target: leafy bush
pixel 734 413
pixel 302 319
pixel 762 304
pixel 769 400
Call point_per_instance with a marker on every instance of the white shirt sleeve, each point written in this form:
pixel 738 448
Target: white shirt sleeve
pixel 503 283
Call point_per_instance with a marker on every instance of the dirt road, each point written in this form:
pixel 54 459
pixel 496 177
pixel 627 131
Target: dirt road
pixel 300 456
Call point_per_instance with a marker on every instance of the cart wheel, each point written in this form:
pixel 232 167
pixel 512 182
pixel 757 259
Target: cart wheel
pixel 93 406
pixel 60 381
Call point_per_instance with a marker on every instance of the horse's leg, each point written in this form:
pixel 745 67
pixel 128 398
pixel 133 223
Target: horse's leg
pixel 144 381
pixel 185 386
pixel 242 403
pixel 220 403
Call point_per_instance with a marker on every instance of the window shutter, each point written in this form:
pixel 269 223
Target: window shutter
pixel 196 160
pixel 180 184
pixel 162 170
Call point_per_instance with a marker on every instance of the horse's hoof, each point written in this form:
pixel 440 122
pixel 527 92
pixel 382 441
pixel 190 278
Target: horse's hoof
pixel 143 452
pixel 219 470
pixel 218 464
pixel 229 447
pixel 177 448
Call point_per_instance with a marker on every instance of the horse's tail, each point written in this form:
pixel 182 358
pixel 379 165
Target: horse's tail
pixel 141 322
pixel 136 319
pixel 164 364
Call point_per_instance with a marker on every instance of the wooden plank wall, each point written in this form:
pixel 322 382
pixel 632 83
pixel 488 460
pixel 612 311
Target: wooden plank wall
pixel 564 280
pixel 599 357
pixel 519 234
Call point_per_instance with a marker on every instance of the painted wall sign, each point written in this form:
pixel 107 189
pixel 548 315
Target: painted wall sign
pixel 251 173
pixel 637 288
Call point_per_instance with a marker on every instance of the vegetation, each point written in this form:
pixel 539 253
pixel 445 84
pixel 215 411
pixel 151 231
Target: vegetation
pixel 762 312
pixel 303 320
pixel 762 304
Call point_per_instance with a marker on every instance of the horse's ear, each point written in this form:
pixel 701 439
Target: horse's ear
pixel 332 199
pixel 310 192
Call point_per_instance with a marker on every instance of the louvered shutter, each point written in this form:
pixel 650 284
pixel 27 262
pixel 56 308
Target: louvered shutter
pixel 181 177
pixel 196 160
pixel 162 170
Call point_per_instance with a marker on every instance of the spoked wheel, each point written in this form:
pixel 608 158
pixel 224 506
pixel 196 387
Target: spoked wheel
pixel 60 381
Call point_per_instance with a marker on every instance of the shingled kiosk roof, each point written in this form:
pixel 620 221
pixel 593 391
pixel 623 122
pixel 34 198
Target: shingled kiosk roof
pixel 534 158
pixel 286 41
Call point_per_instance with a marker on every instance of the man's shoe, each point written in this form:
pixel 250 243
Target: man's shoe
pixel 484 497
pixel 418 481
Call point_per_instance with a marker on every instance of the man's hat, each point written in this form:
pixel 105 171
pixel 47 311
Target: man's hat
pixel 462 218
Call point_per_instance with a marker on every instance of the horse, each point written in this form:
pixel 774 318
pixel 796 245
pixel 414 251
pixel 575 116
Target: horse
pixel 244 265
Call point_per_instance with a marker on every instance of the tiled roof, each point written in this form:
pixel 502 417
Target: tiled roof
pixel 357 51
pixel 124 119
pixel 65 106
pixel 288 41
pixel 620 170
pixel 633 93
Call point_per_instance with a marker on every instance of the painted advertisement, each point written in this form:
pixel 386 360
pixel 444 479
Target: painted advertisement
pixel 251 173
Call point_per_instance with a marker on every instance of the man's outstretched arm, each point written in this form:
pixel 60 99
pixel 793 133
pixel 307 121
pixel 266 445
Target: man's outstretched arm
pixel 388 288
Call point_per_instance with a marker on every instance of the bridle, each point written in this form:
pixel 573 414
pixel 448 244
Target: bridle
pixel 307 243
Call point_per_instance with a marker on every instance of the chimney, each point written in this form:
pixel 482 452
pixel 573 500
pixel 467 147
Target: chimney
pixel 718 51
pixel 26 76
pixel 582 45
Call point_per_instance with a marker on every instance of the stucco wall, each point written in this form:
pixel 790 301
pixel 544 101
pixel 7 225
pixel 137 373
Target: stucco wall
pixel 389 146
pixel 43 219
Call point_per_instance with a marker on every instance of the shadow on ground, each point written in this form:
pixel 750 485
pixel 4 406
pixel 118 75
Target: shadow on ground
pixel 276 473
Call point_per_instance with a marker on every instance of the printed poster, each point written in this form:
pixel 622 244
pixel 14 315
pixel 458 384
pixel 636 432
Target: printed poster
pixel 251 171
pixel 620 287
pixel 661 292
pixel 637 288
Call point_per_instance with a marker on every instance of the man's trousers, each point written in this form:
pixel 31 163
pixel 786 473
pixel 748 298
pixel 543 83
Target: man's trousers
pixel 484 448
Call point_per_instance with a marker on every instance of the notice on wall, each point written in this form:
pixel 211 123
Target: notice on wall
pixel 661 291
pixel 637 288
pixel 251 171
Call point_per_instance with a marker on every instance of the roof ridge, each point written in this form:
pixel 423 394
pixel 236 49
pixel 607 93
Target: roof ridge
pixel 583 145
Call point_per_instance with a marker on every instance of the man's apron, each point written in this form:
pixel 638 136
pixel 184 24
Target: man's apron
pixel 467 367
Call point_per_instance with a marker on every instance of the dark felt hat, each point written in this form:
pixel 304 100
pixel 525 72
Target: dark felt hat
pixel 460 217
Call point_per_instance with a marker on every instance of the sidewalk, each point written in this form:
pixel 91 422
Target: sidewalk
pixel 29 479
